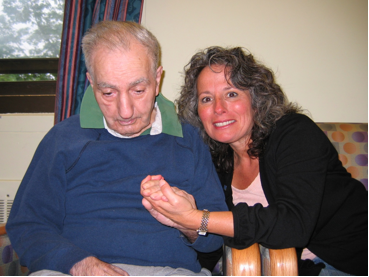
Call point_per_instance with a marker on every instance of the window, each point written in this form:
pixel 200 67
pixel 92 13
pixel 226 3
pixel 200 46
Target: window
pixel 29 50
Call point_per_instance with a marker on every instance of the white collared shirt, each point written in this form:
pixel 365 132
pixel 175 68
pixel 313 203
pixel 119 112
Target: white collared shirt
pixel 156 127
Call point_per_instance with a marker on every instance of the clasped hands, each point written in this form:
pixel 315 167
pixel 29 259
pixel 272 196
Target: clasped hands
pixel 171 206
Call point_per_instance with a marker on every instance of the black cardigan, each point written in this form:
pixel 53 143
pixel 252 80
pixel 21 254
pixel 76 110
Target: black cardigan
pixel 313 201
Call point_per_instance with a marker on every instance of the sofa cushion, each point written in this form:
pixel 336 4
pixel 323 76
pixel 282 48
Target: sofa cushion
pixel 351 142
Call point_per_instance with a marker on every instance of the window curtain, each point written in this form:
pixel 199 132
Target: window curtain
pixel 79 16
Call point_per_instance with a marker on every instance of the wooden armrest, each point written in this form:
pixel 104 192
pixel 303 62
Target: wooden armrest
pixel 283 262
pixel 2 229
pixel 245 262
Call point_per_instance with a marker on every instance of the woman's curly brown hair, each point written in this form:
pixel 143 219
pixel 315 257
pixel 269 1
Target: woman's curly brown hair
pixel 267 98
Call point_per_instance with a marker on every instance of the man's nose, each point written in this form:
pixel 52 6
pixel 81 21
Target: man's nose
pixel 125 106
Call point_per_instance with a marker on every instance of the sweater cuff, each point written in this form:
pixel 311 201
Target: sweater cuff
pixel 68 261
pixel 204 244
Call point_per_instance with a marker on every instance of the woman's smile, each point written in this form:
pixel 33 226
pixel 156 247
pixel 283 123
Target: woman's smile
pixel 224 123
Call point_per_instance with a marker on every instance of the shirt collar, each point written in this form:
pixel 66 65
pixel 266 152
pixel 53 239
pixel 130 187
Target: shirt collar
pixel 92 117
pixel 155 129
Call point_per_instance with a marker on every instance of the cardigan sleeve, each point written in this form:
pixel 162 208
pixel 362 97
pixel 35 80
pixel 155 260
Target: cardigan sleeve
pixel 35 222
pixel 293 171
pixel 206 188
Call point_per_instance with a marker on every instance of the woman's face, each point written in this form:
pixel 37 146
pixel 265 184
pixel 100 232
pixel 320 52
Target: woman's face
pixel 224 110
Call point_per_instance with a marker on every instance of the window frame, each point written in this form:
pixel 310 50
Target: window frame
pixel 28 96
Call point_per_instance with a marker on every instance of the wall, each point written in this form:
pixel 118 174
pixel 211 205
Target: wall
pixel 317 48
pixel 19 135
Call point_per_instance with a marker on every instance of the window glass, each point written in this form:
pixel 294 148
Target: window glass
pixel 30 29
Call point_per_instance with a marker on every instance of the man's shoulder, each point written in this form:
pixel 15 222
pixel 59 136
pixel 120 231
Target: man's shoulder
pixel 70 130
pixel 190 131
pixel 71 123
pixel 187 127
pixel 191 137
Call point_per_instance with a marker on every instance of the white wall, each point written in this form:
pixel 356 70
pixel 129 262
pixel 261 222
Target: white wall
pixel 318 49
pixel 19 136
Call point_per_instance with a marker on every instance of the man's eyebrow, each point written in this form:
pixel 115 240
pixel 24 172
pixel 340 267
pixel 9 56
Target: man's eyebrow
pixel 132 84
pixel 106 85
pixel 139 81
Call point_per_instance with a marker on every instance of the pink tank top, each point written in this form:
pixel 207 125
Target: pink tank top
pixel 255 194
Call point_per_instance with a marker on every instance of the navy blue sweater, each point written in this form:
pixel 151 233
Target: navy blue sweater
pixel 81 197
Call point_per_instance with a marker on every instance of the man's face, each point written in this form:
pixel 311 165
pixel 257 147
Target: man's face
pixel 125 88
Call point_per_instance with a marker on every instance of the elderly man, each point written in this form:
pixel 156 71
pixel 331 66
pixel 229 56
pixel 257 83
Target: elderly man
pixel 78 209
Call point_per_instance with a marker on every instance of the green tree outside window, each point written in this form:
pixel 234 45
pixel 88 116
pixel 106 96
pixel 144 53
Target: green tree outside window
pixel 30 29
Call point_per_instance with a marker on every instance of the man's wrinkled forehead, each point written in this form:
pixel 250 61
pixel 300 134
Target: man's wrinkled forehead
pixel 139 52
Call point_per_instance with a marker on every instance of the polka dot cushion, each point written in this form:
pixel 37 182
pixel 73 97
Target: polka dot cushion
pixel 351 142
pixel 9 261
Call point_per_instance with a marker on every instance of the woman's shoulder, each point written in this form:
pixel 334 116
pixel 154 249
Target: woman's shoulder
pixel 294 119
pixel 296 126
pixel 296 122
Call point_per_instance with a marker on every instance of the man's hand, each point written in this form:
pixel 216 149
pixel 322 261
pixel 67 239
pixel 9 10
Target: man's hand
pixel 150 188
pixel 152 191
pixel 92 266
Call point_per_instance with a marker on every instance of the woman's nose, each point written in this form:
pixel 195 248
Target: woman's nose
pixel 219 106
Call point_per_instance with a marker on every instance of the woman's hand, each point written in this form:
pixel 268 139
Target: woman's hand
pixel 176 208
pixel 170 205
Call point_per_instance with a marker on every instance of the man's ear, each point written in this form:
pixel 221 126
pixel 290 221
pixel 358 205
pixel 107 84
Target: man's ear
pixel 159 73
pixel 90 79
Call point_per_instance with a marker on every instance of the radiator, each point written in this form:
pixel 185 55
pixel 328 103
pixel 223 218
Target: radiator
pixel 8 189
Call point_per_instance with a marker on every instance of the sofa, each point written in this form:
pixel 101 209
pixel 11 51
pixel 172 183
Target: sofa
pixel 351 142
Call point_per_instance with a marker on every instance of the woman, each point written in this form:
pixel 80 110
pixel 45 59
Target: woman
pixel 284 184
